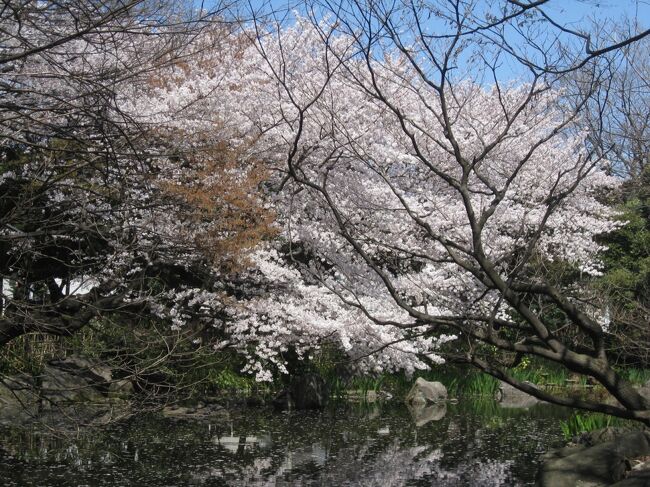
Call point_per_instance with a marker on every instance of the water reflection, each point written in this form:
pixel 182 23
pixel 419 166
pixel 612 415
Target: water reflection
pixel 423 414
pixel 234 443
pixel 469 444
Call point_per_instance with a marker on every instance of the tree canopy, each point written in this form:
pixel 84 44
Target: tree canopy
pixel 358 174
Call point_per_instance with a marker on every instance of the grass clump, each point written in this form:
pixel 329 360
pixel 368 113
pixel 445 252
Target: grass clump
pixel 636 376
pixel 580 423
pixel 480 384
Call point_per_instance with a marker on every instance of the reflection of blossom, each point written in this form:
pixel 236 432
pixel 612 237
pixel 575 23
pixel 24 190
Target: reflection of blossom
pixel 395 466
pixel 251 474
pixel 399 465
pixel 257 449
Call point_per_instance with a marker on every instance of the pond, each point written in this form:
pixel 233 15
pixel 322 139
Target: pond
pixel 473 443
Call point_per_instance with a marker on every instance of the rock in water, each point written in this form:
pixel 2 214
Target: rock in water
pixel 511 397
pixel 602 464
pixel 424 392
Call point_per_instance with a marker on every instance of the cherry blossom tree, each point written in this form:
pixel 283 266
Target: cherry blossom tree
pixel 109 203
pixel 431 197
pixel 411 182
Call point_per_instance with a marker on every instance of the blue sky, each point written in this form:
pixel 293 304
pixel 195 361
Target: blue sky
pixel 572 14
pixel 571 11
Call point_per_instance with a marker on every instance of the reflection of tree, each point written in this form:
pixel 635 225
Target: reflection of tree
pixel 469 446
pixel 482 429
pixel 394 465
pixel 367 452
pixel 399 463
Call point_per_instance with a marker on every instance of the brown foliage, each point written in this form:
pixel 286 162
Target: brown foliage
pixel 220 193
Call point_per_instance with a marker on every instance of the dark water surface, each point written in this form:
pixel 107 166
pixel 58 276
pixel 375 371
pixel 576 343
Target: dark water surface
pixel 467 444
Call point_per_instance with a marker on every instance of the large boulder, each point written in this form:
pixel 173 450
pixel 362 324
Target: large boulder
pixel 74 387
pixel 91 370
pixel 633 482
pixel 511 397
pixel 18 399
pixel 424 392
pixel 645 390
pixel 80 379
pixel 62 386
pixel 604 435
pixel 121 389
pixel 599 465
pixel 639 476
